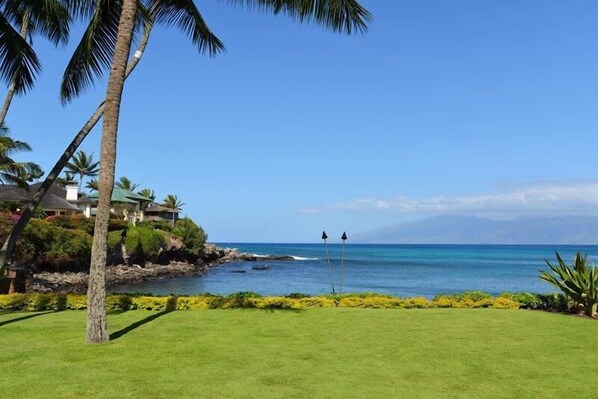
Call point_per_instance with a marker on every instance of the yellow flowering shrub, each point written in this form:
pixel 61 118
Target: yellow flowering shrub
pixel 193 303
pixel 417 303
pixel 41 302
pixel 351 302
pixel 149 303
pixel 76 302
pixel 505 303
pixel 14 301
pixel 317 302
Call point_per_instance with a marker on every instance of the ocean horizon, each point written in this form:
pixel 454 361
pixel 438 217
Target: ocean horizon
pixel 397 269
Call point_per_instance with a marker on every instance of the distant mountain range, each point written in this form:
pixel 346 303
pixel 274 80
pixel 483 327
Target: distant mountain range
pixel 476 230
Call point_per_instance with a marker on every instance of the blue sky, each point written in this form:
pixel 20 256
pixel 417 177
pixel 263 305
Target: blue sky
pixel 455 106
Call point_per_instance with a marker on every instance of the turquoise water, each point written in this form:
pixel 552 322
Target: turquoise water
pixel 404 270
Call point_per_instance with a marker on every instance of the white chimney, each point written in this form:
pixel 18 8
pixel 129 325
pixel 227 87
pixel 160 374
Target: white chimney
pixel 72 192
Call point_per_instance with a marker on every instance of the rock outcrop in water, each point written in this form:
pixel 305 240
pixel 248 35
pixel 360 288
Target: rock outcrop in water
pixel 210 257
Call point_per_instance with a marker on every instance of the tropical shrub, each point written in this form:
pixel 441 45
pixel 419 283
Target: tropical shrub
pixel 81 222
pixel 193 236
pixel 418 303
pixel 52 247
pixel 252 300
pixel 75 222
pixel 162 225
pixel 526 300
pixel 504 303
pixel 579 282
pixel 115 224
pixel 317 302
pixel 143 242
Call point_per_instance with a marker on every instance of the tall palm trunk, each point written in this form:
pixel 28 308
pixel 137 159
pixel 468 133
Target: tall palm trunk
pixel 11 241
pixel 81 176
pixel 12 88
pixel 97 330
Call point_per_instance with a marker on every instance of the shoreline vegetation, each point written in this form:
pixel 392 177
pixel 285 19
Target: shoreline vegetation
pixel 296 301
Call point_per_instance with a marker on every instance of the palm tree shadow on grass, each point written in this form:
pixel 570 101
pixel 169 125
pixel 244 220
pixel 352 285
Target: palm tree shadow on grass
pixel 170 307
pixel 29 316
pixel 117 334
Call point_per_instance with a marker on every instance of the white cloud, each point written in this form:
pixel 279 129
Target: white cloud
pixel 570 198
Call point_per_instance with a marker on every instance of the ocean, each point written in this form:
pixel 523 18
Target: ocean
pixel 402 270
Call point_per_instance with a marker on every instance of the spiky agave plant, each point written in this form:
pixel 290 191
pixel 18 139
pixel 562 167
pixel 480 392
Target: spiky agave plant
pixel 579 282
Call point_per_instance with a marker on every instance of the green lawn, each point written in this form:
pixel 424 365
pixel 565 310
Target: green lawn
pixel 315 353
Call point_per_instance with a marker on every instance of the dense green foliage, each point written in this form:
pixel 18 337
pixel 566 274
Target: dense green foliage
pixel 143 242
pixel 193 236
pixel 316 353
pixel 50 246
pixel 579 282
pixel 62 243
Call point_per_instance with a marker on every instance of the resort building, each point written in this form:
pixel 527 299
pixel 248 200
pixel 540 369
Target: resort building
pixel 67 201
pixel 158 212
pixel 58 201
pixel 126 203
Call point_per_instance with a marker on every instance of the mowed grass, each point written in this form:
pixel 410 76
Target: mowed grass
pixel 315 353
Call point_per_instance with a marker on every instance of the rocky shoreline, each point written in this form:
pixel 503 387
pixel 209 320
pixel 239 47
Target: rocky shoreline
pixel 212 256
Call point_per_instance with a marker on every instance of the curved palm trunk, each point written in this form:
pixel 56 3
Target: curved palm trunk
pixel 97 330
pixel 11 241
pixel 13 87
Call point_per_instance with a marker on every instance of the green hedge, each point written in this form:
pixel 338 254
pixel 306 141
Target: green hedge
pixel 52 247
pixel 143 241
pixel 248 300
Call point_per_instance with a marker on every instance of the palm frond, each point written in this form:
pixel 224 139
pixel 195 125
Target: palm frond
pixel 18 62
pixel 126 184
pixel 94 53
pixel 19 173
pixel 185 15
pixel 343 16
pixel 80 8
pixel 49 18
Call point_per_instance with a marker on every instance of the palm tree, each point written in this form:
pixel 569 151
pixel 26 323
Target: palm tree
pixel 30 176
pixel 147 193
pixel 106 44
pixel 83 165
pixel 92 185
pixel 339 15
pixel 172 202
pixel 126 184
pixel 11 171
pixel 20 20
pixel 10 243
pixel 68 178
